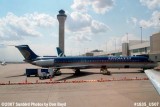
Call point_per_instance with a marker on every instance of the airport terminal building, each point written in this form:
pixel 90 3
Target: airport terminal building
pixel 136 47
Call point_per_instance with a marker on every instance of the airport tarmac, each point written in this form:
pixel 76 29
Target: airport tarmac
pixel 135 93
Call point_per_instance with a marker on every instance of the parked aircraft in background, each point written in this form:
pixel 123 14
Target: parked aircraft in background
pixel 3 63
pixel 85 62
pixel 60 52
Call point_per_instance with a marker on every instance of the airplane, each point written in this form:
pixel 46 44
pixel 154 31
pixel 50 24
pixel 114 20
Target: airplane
pixel 85 62
pixel 3 63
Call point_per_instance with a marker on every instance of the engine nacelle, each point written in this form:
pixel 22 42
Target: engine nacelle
pixel 44 63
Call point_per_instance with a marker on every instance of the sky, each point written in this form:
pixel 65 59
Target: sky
pixel 90 24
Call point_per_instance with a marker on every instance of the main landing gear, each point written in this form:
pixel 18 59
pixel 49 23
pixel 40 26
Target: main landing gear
pixel 104 71
pixel 57 72
pixel 77 71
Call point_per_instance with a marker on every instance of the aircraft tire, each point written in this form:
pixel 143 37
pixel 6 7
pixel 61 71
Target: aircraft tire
pixel 28 75
pixel 57 73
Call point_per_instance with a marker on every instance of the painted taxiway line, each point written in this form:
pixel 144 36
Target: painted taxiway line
pixel 73 81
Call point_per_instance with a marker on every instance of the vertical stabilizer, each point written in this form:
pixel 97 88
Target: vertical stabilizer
pixel 28 54
pixel 60 52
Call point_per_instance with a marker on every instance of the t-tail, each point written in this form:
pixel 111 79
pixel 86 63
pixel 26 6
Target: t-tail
pixel 28 54
pixel 60 52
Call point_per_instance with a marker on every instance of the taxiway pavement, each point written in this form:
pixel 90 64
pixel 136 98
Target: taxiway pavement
pixel 89 94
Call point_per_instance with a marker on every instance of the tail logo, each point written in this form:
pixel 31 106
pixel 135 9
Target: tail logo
pixel 26 54
pixel 61 54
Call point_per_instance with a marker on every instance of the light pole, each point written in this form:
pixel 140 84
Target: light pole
pixel 159 23
pixel 106 46
pixel 141 34
pixel 115 44
pixel 127 37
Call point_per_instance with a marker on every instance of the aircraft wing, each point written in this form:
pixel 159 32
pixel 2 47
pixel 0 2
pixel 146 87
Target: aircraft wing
pixel 154 76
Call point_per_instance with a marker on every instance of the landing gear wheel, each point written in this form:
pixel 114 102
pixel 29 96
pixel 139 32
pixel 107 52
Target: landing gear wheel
pixel 57 73
pixel 77 71
pixel 104 71
pixel 108 73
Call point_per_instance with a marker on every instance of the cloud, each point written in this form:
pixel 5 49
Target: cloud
pixel 102 6
pixel 80 37
pixel 98 27
pixel 98 6
pixel 132 20
pixel 14 27
pixel 41 19
pixel 151 4
pixel 82 26
pixel 80 5
pixel 83 22
pixel 78 21
pixel 154 21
